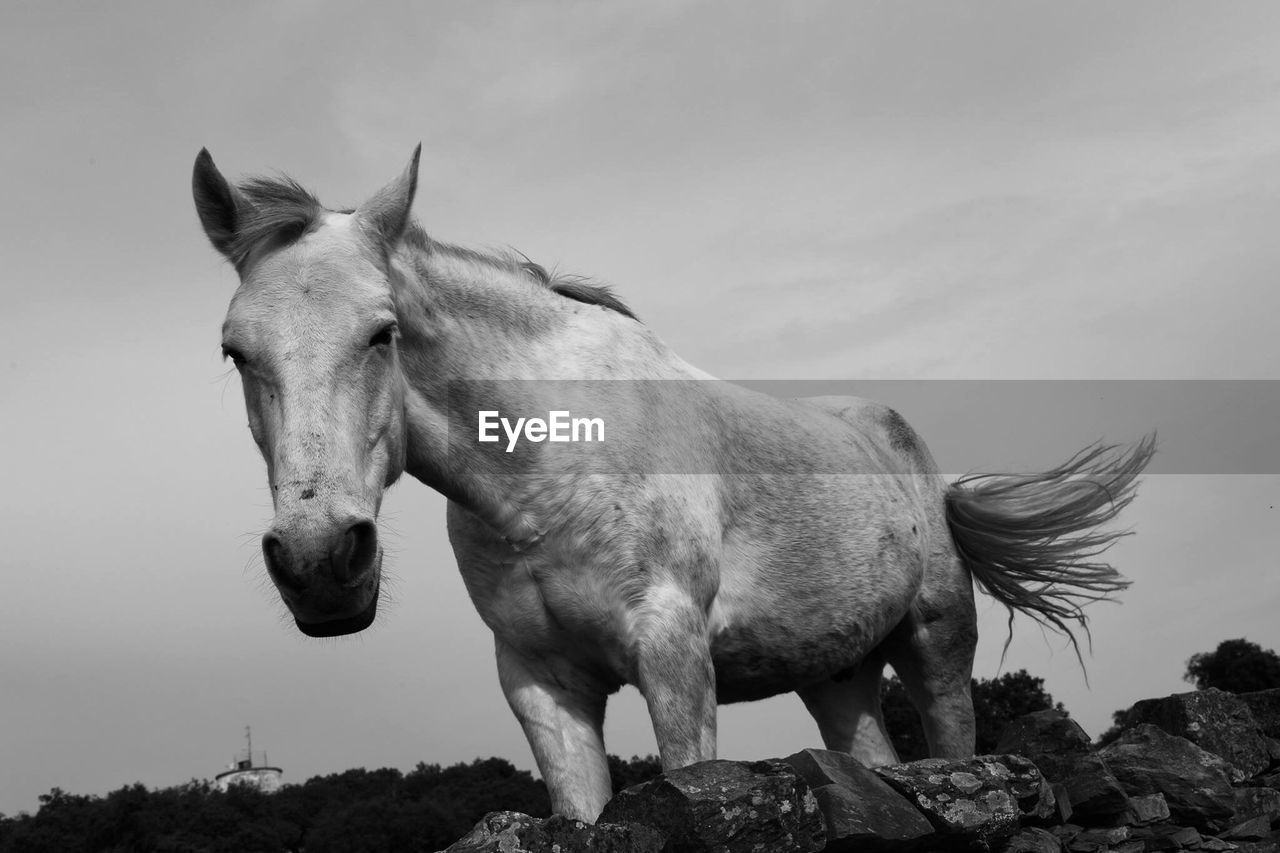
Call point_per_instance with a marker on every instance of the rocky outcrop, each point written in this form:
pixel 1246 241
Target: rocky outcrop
pixel 727 806
pixel 977 801
pixel 1215 721
pixel 1189 772
pixel 860 810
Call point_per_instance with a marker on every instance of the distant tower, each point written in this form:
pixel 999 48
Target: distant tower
pixel 243 771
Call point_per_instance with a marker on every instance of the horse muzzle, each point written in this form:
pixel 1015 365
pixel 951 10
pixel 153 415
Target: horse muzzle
pixel 329 579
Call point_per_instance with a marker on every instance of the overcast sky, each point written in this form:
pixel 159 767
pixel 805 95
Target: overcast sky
pixel 786 191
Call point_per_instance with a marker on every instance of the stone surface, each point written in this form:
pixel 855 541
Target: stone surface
pixel 982 798
pixel 1143 810
pixel 1093 790
pixel 1032 840
pixel 860 810
pixel 1043 733
pixel 1062 808
pixel 513 832
pixel 1061 749
pixel 1166 837
pixel 1099 839
pixel 1214 720
pixel 1195 784
pixel 507 831
pixel 1265 707
pixel 1253 829
pixel 726 806
pixel 1270 844
pixel 1256 802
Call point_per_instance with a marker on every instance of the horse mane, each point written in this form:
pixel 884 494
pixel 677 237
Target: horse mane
pixel 281 211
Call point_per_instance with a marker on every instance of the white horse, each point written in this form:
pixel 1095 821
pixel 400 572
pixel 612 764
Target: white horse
pixel 717 546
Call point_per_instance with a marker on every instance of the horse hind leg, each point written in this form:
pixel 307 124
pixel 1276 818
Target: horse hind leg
pixel 846 708
pixel 932 652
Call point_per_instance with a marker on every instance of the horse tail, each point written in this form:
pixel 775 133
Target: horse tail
pixel 1030 541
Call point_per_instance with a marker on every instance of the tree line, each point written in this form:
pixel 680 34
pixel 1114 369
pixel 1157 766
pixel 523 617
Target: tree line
pixel 430 807
pixel 359 810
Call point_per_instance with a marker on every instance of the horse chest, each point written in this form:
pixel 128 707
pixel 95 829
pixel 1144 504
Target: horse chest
pixel 552 609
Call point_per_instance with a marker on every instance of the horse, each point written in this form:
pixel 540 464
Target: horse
pixel 718 545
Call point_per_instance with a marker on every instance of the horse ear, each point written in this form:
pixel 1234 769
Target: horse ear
pixel 220 206
pixel 386 214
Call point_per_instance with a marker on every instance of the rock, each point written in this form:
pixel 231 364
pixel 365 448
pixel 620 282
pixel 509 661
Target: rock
pixel 1066 831
pixel 506 831
pixel 1143 810
pixel 1265 707
pixel 1270 844
pixel 1195 783
pixel 1060 748
pixel 1033 840
pixel 1253 829
pixel 981 799
pixel 1213 720
pixel 513 832
pixel 1062 809
pixel 574 836
pixel 727 806
pixel 1165 837
pixel 1043 733
pixel 1255 802
pixel 1273 750
pixel 1099 839
pixel 1094 792
pixel 860 810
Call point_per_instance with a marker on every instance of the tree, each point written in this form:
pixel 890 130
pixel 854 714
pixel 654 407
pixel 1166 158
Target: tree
pixel 996 703
pixel 633 771
pixel 1236 666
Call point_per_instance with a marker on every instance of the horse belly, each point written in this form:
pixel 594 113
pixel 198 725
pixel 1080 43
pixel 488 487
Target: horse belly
pixel 783 620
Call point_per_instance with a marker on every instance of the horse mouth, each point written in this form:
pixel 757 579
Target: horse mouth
pixel 344 625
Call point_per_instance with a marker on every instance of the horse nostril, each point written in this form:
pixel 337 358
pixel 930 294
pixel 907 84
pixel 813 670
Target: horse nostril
pixel 356 553
pixel 277 559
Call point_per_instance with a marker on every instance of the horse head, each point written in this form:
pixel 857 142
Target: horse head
pixel 312 331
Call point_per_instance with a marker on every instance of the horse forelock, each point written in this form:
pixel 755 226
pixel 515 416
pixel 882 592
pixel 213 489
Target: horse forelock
pixel 281 211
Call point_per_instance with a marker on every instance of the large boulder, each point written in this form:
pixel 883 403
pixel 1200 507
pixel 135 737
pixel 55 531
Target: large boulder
pixel 1060 748
pixel 1213 720
pixel 981 799
pixel 1049 732
pixel 1265 707
pixel 513 832
pixel 1196 784
pixel 861 811
pixel 728 806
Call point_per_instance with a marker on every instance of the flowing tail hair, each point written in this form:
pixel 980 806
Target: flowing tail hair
pixel 1030 540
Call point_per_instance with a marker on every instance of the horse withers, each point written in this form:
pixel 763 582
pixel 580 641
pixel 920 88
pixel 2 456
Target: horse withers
pixel 717 545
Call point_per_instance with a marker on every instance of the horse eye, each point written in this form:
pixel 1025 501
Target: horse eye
pixel 383 336
pixel 234 354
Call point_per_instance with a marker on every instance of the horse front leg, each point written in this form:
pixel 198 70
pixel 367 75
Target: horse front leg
pixel 565 730
pixel 677 679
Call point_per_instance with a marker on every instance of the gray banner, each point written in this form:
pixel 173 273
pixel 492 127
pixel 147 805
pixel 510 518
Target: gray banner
pixel 696 427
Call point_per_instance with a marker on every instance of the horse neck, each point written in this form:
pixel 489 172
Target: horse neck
pixel 466 324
